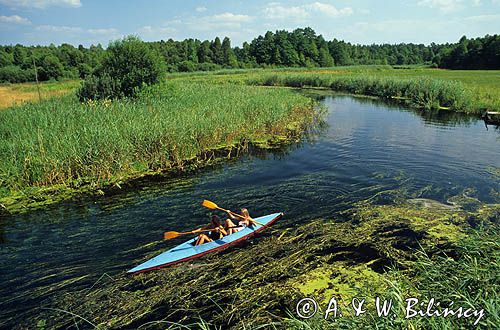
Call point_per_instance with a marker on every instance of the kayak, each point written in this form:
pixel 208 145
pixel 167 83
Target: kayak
pixel 187 251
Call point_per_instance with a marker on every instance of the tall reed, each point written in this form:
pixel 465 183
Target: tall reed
pixel 427 93
pixel 61 140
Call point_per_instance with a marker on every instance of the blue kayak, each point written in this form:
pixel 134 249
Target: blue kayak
pixel 187 251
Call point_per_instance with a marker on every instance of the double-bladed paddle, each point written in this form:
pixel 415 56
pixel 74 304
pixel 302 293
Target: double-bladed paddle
pixel 173 234
pixel 213 206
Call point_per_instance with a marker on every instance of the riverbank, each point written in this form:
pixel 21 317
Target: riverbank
pixel 416 248
pixel 470 91
pixel 60 148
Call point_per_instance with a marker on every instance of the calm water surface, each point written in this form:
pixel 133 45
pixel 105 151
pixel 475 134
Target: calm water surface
pixel 366 147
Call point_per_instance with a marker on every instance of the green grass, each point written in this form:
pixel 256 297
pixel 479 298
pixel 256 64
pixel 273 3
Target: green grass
pixel 470 91
pixel 62 141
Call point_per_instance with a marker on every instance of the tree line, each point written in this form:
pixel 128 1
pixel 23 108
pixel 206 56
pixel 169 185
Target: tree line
pixel 299 48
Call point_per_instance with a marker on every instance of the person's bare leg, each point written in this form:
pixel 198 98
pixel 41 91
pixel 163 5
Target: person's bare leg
pixel 227 226
pixel 203 239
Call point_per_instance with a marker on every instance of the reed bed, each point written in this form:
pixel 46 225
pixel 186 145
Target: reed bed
pixel 64 141
pixel 427 93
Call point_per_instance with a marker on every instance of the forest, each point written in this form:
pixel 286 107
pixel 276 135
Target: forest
pixel 302 47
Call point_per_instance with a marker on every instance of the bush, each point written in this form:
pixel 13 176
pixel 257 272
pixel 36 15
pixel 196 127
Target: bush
pixel 128 65
pixel 51 68
pixel 15 74
pixel 187 66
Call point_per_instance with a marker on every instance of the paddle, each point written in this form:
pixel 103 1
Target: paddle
pixel 213 206
pixel 173 234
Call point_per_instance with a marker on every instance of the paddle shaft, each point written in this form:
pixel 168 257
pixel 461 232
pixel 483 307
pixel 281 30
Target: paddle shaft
pixel 199 231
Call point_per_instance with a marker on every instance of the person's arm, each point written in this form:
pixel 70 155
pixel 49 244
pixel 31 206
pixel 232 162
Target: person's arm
pixel 231 216
pixel 223 231
pixel 202 229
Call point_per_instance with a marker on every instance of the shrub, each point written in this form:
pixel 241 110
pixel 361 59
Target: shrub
pixel 187 66
pixel 15 74
pixel 51 68
pixel 128 65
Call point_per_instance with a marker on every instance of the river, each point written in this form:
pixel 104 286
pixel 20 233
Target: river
pixel 365 147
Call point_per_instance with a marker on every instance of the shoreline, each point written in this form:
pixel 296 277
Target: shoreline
pixel 35 198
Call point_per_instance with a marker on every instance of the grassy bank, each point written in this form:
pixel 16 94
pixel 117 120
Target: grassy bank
pixel 63 142
pixel 68 147
pixel 422 93
pixel 416 248
pixel 471 91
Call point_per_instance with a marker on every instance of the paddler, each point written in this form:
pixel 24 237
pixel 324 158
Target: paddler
pixel 246 221
pixel 217 231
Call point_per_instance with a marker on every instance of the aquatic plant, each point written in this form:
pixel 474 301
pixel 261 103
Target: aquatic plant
pixel 427 93
pixel 64 141
pixel 391 251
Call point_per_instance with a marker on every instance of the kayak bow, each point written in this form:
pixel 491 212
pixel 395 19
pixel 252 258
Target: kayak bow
pixel 187 251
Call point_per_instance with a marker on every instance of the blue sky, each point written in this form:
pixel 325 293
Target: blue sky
pixel 358 21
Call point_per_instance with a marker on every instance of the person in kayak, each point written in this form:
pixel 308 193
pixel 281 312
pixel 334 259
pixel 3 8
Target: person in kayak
pixel 217 231
pixel 231 228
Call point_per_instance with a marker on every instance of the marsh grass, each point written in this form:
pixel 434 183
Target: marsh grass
pixel 425 93
pixel 470 91
pixel 64 141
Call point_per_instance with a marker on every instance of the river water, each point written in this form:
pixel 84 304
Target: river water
pixel 365 147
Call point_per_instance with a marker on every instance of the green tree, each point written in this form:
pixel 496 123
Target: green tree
pixel 325 59
pixel 217 51
pixel 229 59
pixel 51 68
pixel 205 52
pixel 127 65
pixel 5 58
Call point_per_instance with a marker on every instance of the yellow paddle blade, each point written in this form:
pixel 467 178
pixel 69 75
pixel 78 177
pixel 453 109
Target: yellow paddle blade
pixel 210 205
pixel 170 234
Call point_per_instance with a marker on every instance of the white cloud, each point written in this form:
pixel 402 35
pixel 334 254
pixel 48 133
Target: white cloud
pixel 156 32
pixel 230 18
pixel 201 9
pixel 225 21
pixel 328 9
pixel 445 6
pixel 277 11
pixel 14 19
pixel 75 30
pixel 41 3
pixel 483 18
pixel 58 28
pixel 110 31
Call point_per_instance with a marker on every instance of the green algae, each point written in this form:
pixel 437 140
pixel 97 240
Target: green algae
pixel 254 284
pixel 341 281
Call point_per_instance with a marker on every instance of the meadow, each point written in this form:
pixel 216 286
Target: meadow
pixel 17 94
pixel 472 91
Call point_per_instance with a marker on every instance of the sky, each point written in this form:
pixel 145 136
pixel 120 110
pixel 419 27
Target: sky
pixel 33 22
